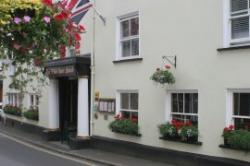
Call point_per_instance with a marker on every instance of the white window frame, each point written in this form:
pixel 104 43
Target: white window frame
pixel 228 41
pixel 35 104
pixel 118 102
pixel 119 39
pixel 229 105
pixel 13 99
pixel 169 114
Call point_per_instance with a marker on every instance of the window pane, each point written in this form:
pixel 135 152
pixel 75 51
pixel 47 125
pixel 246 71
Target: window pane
pixel 240 28
pixel 174 102
pixel 125 28
pixel 125 114
pixel 37 100
pixel 177 102
pixel 125 48
pixel 237 5
pixel 193 119
pixel 125 101
pixel 236 103
pixel 31 100
pixel 134 26
pixel 242 123
pixel 135 47
pixel 191 103
pixel 178 118
pixel 134 101
pixel 244 104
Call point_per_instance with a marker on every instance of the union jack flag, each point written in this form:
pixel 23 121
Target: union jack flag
pixel 78 8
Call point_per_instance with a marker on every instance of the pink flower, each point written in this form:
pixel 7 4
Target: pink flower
pixel 17 46
pixel 167 66
pixel 17 20
pixel 26 19
pixel 46 19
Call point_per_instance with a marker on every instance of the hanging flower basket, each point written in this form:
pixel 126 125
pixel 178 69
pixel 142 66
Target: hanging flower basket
pixel 163 76
pixel 33 32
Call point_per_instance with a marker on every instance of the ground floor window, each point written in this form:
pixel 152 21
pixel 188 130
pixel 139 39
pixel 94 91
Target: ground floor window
pixel 34 101
pixel 128 106
pixel 184 107
pixel 13 99
pixel 241 110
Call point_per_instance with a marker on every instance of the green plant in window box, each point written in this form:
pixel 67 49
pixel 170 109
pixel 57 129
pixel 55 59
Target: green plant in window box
pixel 227 132
pixel 189 134
pixel 32 114
pixel 168 131
pixel 12 110
pixel 239 139
pixel 124 126
pixel 163 76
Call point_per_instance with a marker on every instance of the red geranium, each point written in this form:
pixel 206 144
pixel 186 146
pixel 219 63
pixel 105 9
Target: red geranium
pixel 47 2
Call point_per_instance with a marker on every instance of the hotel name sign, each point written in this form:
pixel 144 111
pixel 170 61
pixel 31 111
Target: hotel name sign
pixel 61 71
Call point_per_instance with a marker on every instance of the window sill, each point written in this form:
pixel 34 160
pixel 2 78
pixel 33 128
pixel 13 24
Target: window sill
pixel 177 140
pixel 128 60
pixel 231 148
pixel 234 48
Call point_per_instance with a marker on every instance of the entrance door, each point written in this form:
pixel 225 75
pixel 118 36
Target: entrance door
pixel 68 95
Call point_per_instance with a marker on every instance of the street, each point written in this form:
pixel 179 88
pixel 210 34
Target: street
pixel 13 153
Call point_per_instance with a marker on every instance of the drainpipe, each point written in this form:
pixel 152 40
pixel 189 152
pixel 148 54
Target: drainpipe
pixel 92 73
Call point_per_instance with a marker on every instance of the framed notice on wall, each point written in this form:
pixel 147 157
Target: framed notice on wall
pixel 106 105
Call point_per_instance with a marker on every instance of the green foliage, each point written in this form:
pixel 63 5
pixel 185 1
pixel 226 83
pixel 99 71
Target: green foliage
pixel 163 76
pixel 239 139
pixel 12 110
pixel 187 132
pixel 32 114
pixel 168 130
pixel 124 126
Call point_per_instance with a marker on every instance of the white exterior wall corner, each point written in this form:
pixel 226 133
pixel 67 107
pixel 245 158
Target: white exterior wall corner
pixel 192 30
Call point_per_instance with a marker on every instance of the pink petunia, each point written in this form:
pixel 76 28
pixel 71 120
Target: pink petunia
pixel 46 19
pixel 26 19
pixel 17 20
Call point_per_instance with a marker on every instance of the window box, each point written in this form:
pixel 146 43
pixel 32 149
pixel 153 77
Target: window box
pixel 180 141
pixel 32 114
pixel 124 126
pixel 236 139
pixel 178 131
pixel 12 110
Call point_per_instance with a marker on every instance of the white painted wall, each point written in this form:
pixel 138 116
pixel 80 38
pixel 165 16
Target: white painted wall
pixel 192 30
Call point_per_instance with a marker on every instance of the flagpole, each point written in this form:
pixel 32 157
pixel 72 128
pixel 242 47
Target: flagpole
pixel 93 72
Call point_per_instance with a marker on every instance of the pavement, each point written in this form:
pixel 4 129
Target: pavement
pixel 14 153
pixel 94 156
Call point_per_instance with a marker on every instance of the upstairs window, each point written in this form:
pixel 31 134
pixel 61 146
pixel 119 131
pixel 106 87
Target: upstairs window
pixel 129 37
pixel 239 21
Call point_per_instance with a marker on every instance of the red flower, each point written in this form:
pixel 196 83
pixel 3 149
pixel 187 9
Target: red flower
pixel 231 127
pixel 47 2
pixel 77 37
pixel 62 51
pixel 81 28
pixel 77 45
pixel 61 16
